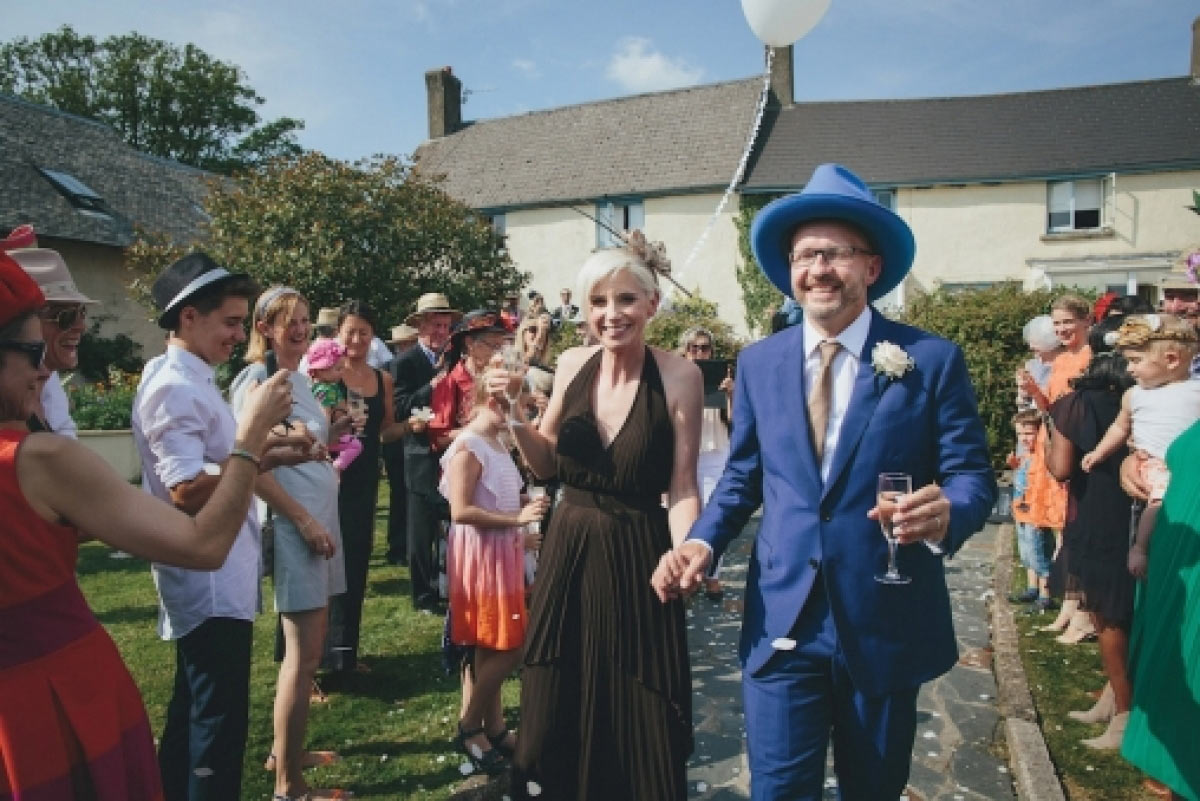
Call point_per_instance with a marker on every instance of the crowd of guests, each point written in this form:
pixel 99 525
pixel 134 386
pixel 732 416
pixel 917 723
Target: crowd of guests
pixel 1107 433
pixel 555 513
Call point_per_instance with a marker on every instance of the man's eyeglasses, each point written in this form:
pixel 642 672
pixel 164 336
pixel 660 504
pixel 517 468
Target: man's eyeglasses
pixel 64 316
pixel 34 351
pixel 840 256
pixel 700 347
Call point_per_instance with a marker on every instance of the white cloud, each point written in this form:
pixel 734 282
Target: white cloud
pixel 526 67
pixel 637 67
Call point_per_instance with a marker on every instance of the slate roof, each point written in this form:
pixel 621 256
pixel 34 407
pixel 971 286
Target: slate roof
pixel 1125 127
pixel 138 189
pixel 674 142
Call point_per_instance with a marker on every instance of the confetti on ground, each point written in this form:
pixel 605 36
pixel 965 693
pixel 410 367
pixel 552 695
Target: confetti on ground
pixel 533 788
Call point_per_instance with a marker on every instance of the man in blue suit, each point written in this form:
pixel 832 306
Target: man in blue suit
pixel 820 410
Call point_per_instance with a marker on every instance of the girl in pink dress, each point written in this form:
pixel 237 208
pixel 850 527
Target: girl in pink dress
pixel 486 575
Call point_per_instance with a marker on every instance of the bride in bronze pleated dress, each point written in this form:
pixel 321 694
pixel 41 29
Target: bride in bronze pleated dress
pixel 606 687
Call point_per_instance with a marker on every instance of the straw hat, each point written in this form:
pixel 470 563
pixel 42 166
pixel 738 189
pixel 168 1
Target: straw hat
pixel 402 333
pixel 432 303
pixel 50 271
pixel 327 317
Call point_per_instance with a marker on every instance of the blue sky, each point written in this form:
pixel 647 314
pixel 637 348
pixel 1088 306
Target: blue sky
pixel 353 70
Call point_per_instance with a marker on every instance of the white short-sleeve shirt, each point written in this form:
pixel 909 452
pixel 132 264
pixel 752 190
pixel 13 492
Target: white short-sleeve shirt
pixel 57 408
pixel 181 422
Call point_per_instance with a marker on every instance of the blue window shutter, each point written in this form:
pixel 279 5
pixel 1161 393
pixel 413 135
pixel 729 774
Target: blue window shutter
pixel 637 215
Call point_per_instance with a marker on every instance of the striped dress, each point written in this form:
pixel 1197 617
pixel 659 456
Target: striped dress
pixel 72 724
pixel 485 567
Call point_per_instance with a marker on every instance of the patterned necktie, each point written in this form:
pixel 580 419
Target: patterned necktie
pixel 819 400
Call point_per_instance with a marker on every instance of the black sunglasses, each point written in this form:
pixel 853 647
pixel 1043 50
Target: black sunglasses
pixel 65 317
pixel 34 351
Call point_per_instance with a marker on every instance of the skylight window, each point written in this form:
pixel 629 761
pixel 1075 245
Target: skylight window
pixel 79 194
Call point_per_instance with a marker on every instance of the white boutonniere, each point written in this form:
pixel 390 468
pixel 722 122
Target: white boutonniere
pixel 422 413
pixel 891 360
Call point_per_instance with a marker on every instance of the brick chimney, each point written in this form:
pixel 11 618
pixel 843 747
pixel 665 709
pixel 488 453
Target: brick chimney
pixel 782 80
pixel 1196 50
pixel 444 93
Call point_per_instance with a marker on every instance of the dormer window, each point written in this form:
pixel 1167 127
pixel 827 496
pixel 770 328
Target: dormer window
pixel 77 193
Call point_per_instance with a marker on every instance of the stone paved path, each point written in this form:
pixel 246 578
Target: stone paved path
pixel 959 751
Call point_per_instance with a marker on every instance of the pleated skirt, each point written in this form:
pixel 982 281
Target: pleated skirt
pixel 606 688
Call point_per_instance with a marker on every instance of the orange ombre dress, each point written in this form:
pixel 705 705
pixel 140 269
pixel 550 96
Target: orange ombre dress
pixel 1045 500
pixel 72 723
pixel 485 567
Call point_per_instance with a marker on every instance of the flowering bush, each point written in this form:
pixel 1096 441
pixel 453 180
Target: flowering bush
pixel 105 405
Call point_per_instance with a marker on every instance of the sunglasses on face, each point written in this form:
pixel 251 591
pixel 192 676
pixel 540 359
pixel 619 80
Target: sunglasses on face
pixel 34 351
pixel 699 348
pixel 64 316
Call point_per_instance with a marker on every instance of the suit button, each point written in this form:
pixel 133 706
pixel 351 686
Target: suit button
pixel 814 563
pixel 828 518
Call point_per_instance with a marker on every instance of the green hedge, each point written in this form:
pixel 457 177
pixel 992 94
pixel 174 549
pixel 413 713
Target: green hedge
pixel 986 324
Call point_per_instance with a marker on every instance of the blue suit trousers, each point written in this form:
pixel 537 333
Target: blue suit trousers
pixel 801 698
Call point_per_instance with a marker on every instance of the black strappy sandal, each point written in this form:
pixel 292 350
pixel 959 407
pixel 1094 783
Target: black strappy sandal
pixel 499 744
pixel 491 761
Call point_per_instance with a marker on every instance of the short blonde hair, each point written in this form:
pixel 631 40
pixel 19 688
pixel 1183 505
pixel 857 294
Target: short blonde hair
pixel 608 262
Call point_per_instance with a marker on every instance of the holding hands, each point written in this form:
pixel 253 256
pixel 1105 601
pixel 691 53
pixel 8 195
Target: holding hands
pixel 681 570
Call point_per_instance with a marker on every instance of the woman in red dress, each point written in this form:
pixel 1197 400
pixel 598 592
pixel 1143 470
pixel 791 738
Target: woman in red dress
pixel 72 723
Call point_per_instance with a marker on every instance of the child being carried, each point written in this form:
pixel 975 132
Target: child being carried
pixel 326 360
pixel 1164 403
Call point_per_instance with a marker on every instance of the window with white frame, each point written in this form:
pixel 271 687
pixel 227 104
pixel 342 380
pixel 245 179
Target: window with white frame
pixel 885 198
pixel 1077 205
pixel 617 215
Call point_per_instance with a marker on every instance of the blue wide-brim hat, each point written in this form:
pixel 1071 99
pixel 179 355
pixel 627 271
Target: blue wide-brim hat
pixel 833 193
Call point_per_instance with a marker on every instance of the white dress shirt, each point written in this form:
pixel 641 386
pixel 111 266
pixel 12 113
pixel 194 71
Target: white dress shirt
pixel 843 372
pixel 181 422
pixel 57 408
pixel 379 354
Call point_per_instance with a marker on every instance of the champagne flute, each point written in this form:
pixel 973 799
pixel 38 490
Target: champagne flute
pixel 891 487
pixel 357 406
pixel 531 557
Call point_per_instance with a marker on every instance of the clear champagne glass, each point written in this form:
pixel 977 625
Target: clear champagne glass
pixel 357 406
pixel 891 487
pixel 535 492
pixel 514 364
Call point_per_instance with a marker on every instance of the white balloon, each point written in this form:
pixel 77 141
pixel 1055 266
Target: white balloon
pixel 779 23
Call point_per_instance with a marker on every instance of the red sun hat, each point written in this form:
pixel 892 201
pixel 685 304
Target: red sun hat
pixel 19 294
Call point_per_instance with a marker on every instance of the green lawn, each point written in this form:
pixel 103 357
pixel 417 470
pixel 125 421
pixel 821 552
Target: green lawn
pixel 1060 677
pixel 393 726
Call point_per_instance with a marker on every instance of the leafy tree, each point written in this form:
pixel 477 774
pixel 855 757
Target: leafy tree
pixel 666 327
pixel 759 295
pixel 99 355
pixel 336 231
pixel 170 101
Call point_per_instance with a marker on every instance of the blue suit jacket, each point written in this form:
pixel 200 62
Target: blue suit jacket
pixel 926 424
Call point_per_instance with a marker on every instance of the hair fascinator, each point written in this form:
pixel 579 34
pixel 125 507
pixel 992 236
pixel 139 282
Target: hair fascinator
pixel 1138 330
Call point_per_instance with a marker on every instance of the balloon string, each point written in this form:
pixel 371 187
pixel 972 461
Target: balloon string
pixel 738 174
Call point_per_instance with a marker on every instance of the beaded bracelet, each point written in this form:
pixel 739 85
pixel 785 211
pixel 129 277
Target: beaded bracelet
pixel 242 453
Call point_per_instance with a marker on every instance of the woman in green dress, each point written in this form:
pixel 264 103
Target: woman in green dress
pixel 1164 647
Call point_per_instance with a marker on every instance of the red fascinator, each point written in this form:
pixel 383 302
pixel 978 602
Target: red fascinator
pixel 19 294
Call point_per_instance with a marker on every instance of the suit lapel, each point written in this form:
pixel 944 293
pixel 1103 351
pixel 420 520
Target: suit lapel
pixel 863 400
